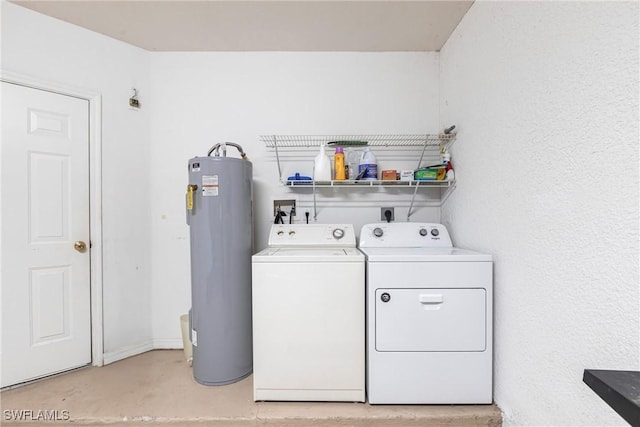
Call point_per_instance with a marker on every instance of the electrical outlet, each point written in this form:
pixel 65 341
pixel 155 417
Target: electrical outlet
pixel 383 216
pixel 285 206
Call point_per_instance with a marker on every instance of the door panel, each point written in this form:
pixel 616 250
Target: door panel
pixel 48 197
pixel 48 123
pixel 49 304
pixel 45 209
pixel 431 319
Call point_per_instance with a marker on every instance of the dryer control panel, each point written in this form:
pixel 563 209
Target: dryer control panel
pixel 404 235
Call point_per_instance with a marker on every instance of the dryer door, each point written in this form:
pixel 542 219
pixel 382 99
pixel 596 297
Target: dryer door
pixel 431 319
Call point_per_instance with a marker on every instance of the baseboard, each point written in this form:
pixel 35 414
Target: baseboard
pixel 132 350
pixel 168 344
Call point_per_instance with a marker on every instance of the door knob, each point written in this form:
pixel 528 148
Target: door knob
pixel 80 246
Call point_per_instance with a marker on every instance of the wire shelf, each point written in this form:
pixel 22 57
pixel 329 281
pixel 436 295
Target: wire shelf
pixel 429 144
pixel 369 183
pixel 416 140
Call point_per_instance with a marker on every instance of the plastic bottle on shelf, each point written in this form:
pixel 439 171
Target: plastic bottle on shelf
pixel 352 159
pixel 368 168
pixel 322 166
pixel 450 174
pixel 446 160
pixel 338 164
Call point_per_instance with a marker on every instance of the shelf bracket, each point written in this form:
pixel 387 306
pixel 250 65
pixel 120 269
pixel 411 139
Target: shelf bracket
pixel 424 147
pixel 315 208
pixel 443 199
pixel 275 145
pixel 413 198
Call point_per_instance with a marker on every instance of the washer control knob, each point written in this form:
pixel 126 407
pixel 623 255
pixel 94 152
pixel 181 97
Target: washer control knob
pixel 378 232
pixel 338 233
pixel 385 297
pixel 280 233
pixel 434 232
pixel 292 233
pixel 423 232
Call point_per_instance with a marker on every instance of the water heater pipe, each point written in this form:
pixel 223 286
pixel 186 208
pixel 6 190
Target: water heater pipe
pixel 216 148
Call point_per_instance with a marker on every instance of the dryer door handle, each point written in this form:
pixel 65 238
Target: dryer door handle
pixel 431 299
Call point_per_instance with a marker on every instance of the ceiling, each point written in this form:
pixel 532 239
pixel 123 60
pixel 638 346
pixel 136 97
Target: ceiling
pixel 238 25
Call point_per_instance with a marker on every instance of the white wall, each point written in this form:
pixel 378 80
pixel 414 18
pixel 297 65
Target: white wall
pixel 200 99
pixel 545 95
pixel 37 46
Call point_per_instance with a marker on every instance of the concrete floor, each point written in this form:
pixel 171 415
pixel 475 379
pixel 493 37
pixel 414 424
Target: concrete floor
pixel 157 388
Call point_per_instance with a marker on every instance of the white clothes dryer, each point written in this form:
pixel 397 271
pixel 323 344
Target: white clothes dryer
pixel 308 315
pixel 429 317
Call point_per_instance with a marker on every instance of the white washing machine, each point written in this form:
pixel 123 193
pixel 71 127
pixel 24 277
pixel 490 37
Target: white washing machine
pixel 429 317
pixel 308 315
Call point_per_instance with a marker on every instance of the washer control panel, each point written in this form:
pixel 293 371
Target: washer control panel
pixel 312 235
pixel 405 235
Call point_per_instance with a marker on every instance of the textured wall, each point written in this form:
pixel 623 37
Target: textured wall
pixel 545 95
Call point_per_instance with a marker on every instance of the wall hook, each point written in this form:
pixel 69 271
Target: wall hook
pixel 133 101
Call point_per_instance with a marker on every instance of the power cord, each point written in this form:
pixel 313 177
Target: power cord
pixel 387 215
pixel 279 215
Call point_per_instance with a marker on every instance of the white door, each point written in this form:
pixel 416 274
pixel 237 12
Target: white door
pixel 46 324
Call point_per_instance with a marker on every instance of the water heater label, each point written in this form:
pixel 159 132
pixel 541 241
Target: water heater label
pixel 194 337
pixel 209 185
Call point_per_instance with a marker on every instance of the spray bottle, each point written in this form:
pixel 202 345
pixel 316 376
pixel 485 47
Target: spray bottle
pixel 322 166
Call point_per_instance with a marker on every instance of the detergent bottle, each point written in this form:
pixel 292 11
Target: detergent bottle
pixel 339 164
pixel 368 167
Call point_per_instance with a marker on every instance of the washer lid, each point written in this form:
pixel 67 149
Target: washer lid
pixel 309 255
pixel 423 255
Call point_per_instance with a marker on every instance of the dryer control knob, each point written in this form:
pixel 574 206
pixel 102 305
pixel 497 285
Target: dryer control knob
pixel 423 232
pixel 338 233
pixel 378 232
pixel 385 297
pixel 435 232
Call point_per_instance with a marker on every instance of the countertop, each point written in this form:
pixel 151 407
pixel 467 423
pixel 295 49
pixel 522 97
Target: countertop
pixel 620 389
